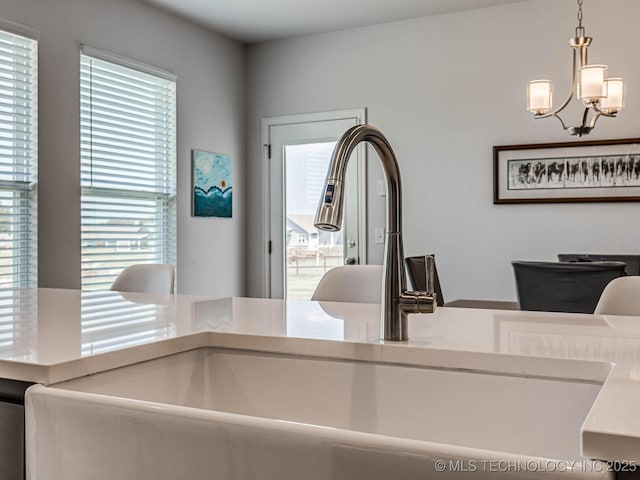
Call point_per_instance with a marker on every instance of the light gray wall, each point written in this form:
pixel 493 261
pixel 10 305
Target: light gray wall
pixel 444 90
pixel 210 92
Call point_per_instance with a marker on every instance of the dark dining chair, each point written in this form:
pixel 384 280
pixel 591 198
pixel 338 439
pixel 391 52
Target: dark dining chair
pixel 418 277
pixel 632 261
pixel 563 286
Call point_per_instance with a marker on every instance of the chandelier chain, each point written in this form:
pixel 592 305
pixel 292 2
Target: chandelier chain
pixel 580 14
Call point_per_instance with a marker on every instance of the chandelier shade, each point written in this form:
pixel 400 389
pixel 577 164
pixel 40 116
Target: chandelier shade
pixel 539 96
pixel 614 101
pixel 592 85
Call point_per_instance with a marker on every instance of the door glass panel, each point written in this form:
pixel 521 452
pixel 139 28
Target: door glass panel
pixel 298 160
pixel 310 252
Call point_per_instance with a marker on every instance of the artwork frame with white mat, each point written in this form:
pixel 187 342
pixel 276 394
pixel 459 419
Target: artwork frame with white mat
pixel 587 171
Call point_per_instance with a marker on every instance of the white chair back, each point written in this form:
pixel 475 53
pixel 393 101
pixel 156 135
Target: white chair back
pixel 620 297
pixel 146 278
pixel 351 283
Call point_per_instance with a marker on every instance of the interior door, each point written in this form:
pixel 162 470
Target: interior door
pixel 300 148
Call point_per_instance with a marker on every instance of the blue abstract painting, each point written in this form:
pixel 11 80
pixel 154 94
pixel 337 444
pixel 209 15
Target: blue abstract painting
pixel 212 187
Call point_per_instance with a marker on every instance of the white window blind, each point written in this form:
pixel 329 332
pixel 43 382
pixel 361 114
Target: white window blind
pixel 128 167
pixel 18 169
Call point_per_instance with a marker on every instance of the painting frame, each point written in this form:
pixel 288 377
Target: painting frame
pixel 211 184
pixel 567 172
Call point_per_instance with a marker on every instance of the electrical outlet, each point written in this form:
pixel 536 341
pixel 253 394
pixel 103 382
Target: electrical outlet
pixel 379 235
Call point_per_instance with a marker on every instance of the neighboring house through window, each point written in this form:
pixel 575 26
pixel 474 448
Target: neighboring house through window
pixel 128 166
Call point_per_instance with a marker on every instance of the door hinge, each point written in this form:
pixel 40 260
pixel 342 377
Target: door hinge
pixel 268 145
pixel 269 247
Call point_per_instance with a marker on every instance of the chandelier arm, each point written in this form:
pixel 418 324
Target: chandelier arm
pixel 569 97
pixel 585 117
pixel 600 112
pixel 555 114
pixel 574 77
pixel 596 117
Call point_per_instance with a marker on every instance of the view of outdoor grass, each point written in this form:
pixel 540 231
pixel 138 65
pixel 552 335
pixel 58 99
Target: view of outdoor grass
pixel 304 272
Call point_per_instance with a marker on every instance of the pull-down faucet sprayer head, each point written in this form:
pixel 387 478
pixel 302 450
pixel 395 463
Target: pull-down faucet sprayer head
pixel 329 213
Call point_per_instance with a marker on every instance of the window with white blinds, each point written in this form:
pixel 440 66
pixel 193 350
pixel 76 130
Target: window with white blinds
pixel 18 167
pixel 128 168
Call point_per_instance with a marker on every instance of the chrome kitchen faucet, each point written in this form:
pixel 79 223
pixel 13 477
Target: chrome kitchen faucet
pixel 397 302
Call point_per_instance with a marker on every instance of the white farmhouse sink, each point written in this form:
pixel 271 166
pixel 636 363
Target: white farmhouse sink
pixel 223 414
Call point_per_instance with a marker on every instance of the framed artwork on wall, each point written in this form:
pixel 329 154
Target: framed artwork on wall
pixel 592 171
pixel 211 184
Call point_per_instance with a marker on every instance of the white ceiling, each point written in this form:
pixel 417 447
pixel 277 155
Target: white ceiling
pixel 251 21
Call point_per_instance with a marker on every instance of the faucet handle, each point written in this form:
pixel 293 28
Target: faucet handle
pixel 422 301
pixel 430 272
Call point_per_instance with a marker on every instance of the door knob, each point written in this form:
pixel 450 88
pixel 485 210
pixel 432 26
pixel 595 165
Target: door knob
pixel 350 261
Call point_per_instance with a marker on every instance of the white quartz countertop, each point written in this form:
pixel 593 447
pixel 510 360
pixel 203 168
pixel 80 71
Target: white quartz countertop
pixel 53 335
